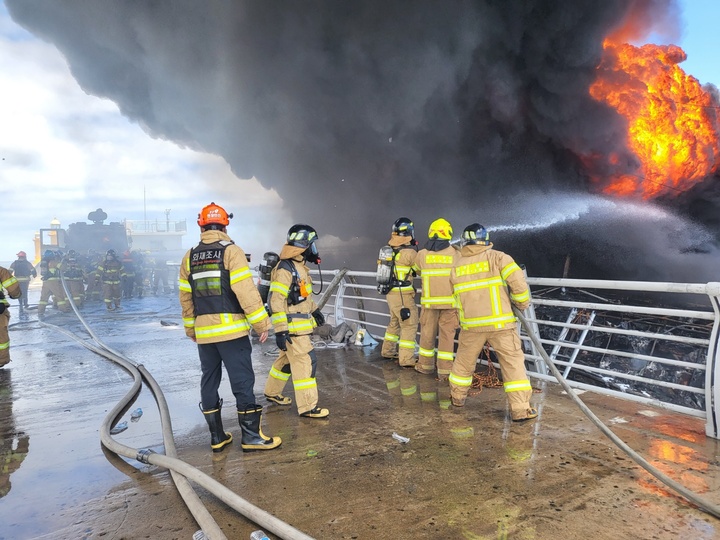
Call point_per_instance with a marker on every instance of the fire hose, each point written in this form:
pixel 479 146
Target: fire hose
pixel 691 496
pixel 179 470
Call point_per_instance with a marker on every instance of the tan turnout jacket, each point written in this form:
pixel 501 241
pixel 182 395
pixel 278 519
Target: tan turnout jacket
pixel 434 268
pixel 217 327
pixel 481 278
pixel 10 284
pixel 296 319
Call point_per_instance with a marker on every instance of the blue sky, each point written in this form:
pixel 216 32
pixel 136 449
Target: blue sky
pixel 699 37
pixel 62 148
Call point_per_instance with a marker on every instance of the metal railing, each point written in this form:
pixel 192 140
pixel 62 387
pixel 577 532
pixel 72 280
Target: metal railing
pixel 654 343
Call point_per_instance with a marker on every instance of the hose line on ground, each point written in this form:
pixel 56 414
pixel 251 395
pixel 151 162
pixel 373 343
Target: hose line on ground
pixel 691 496
pixel 179 470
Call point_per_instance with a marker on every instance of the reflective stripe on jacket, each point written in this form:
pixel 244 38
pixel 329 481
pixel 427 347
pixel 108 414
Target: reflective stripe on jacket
pixel 434 268
pixel 10 284
pixel 223 326
pixel 286 316
pixel 110 271
pixel 481 278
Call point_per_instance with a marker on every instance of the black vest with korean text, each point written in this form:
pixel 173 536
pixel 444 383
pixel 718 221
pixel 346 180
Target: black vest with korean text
pixel 210 281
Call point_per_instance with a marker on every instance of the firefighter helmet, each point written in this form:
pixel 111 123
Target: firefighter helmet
pixel 301 236
pixel 49 254
pixel 404 227
pixel 212 214
pixel 440 228
pixel 475 234
pixel 21 254
pixel 111 253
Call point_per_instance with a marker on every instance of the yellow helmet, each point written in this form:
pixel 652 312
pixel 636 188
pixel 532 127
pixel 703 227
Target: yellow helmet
pixel 441 229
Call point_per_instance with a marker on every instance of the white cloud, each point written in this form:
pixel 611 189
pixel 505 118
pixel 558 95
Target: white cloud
pixel 64 153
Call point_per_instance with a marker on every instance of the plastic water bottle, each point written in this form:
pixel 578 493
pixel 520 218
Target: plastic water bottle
pixel 119 428
pixel 259 535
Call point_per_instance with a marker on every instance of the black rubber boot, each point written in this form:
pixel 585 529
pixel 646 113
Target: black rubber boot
pixel 252 435
pixel 219 438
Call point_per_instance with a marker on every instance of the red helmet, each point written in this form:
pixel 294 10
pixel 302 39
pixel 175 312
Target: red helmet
pixel 213 214
pixel 21 254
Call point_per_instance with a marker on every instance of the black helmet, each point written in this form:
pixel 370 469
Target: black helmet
pixel 72 254
pixel 475 234
pixel 301 236
pixel 404 227
pixel 111 253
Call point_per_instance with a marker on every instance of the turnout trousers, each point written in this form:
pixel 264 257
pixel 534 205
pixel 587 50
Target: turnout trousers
pixel 299 361
pixel 112 293
pixel 236 356
pixel 24 283
pixel 441 324
pixel 4 337
pixel 52 287
pixel 508 348
pixel 401 334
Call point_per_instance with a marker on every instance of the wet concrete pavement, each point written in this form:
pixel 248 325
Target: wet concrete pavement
pixel 466 473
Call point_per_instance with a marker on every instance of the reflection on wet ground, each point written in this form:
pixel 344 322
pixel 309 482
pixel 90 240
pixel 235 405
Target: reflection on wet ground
pixel 465 473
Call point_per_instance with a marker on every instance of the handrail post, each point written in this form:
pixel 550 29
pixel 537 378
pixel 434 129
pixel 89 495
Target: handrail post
pixel 712 373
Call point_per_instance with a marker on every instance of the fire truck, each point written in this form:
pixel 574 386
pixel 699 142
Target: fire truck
pixel 82 236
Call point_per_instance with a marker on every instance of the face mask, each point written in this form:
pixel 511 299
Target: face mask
pixel 311 254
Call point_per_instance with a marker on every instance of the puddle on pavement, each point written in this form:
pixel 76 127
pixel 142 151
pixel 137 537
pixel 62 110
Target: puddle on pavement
pixel 465 473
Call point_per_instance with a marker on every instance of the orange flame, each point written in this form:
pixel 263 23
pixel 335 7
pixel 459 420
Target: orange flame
pixel 672 122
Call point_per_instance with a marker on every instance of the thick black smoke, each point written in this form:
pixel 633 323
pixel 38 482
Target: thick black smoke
pixel 359 112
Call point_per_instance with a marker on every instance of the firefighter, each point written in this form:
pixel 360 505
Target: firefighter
pixel 8 283
pixel 402 329
pixel 50 276
pixel 219 306
pixel 481 278
pixel 74 275
pixel 139 262
pixel 109 272
pixel 92 277
pixel 24 271
pixel 160 275
pixel 127 278
pixel 438 315
pixel 294 314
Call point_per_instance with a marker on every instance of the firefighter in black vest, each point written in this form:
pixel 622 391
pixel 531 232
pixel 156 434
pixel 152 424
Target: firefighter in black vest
pixel 219 306
pixel 294 315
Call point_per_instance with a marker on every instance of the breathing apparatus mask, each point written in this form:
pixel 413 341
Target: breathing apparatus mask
pixel 311 254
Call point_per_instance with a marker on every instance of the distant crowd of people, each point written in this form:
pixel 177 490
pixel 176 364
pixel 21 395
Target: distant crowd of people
pixel 90 277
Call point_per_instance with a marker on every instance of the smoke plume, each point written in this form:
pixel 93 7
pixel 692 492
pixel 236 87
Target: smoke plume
pixel 360 112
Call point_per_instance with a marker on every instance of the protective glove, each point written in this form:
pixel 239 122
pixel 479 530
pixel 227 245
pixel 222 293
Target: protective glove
pixel 2 307
pixel 319 317
pixel 282 339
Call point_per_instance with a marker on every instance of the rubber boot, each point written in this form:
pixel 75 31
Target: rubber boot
pixel 219 438
pixel 252 435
